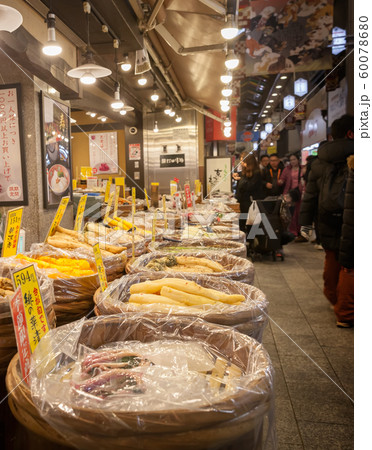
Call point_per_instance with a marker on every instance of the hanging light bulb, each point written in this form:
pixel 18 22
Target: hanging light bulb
pixel 167 109
pixel 125 64
pixel 225 102
pixel 225 108
pixel 156 129
pixel 102 118
pixel 231 61
pixel 227 122
pixel 117 103
pixel 227 91
pixel 227 132
pixel 52 48
pixel 88 78
pixel 172 113
pixel 289 102
pixel 142 81
pixel 122 112
pixel 230 30
pixel 155 96
pixel 226 78
pixel 178 119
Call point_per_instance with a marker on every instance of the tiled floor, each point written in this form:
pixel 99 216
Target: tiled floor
pixel 312 358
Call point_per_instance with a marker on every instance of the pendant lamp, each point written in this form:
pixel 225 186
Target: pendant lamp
pixel 89 71
pixel 10 18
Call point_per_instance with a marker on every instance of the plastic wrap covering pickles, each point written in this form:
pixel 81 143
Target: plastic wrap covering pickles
pixel 8 345
pixel 215 232
pixel 216 264
pixel 155 383
pixel 194 245
pixel 235 304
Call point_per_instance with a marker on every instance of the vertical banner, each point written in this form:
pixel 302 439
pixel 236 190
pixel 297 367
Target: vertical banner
pixel 100 267
pixel 58 217
pixel 12 230
pixel 80 212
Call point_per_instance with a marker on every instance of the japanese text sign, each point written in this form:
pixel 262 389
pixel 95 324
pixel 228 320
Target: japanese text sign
pixel 12 229
pixel 80 212
pixel 58 217
pixel 100 267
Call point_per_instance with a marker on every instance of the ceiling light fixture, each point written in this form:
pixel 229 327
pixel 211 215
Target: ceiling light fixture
pixel 155 96
pixel 225 108
pixel 269 127
pixel 126 64
pixel 274 94
pixel 231 61
pixel 278 86
pixel 156 128
pixel 263 134
pixel 52 48
pixel 227 91
pixel 268 106
pixel 289 102
pixel 123 112
pixel 266 111
pixel 92 114
pixel 263 115
pixel 10 18
pixel 230 30
pixel 226 78
pixel 89 71
pixel 117 103
pixel 178 119
pixel 167 109
pixel 227 122
pixel 271 101
pixel 142 81
pixel 224 102
pixel 172 113
pixel 300 87
pixel 102 118
pixel 227 132
pixel 283 77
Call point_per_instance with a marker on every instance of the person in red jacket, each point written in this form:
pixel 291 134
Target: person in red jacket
pixel 293 183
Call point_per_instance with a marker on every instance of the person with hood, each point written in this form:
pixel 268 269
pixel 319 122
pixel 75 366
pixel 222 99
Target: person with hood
pixel 324 196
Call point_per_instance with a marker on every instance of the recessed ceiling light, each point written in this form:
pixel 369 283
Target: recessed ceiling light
pixel 274 94
pixel 271 101
pixel 268 106
pixel 263 115
pixel 283 77
pixel 265 111
pixel 278 87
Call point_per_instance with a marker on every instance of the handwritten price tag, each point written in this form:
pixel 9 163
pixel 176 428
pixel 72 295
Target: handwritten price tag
pixel 12 230
pixel 100 267
pixel 80 212
pixel 108 207
pixel 58 217
pixel 147 199
pixel 116 203
pixel 107 191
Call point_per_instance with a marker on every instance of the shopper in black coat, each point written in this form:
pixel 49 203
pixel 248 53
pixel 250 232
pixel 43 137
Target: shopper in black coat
pixel 249 185
pixel 346 255
pixel 273 185
pixel 330 156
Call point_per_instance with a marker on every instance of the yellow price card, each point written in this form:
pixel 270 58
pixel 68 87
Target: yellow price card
pixel 154 226
pixel 58 217
pixel 36 319
pixel 133 203
pixel 74 185
pixel 147 199
pixel 12 230
pixel 108 206
pixel 173 187
pixel 165 213
pixel 107 191
pixel 100 267
pixel 116 202
pixel 120 181
pixel 80 212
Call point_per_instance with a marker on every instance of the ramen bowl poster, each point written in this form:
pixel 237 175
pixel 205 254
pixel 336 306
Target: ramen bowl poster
pixel 56 151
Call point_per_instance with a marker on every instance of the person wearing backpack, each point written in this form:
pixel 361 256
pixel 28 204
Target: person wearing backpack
pixel 325 196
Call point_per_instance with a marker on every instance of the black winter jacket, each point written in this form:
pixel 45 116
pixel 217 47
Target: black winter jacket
pixel 335 152
pixel 346 256
pixel 273 176
pixel 248 187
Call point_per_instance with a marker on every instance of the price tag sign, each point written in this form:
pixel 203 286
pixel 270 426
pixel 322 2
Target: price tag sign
pixel 154 226
pixel 107 191
pixel 74 185
pixel 173 187
pixel 108 207
pixel 147 199
pixel 165 213
pixel 34 312
pixel 116 203
pixel 100 267
pixel 58 217
pixel 188 196
pixel 197 187
pixel 133 203
pixel 12 230
pixel 80 212
pixel 21 333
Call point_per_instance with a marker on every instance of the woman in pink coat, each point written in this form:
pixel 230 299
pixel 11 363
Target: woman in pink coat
pixel 293 183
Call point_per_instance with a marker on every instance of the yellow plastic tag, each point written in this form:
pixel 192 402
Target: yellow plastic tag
pixel 12 230
pixel 165 213
pixel 74 185
pixel 80 212
pixel 58 217
pixel 116 203
pixel 147 199
pixel 108 206
pixel 133 202
pixel 100 267
pixel 37 322
pixel 107 191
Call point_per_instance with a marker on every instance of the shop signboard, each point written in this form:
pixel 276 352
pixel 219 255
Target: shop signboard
pixel 134 152
pixel 13 185
pixel 175 160
pixel 56 151
pixel 103 152
pixel 337 102
pixel 314 129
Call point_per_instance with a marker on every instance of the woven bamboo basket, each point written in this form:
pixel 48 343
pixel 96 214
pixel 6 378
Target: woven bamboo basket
pixel 235 268
pixel 249 317
pixel 237 418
